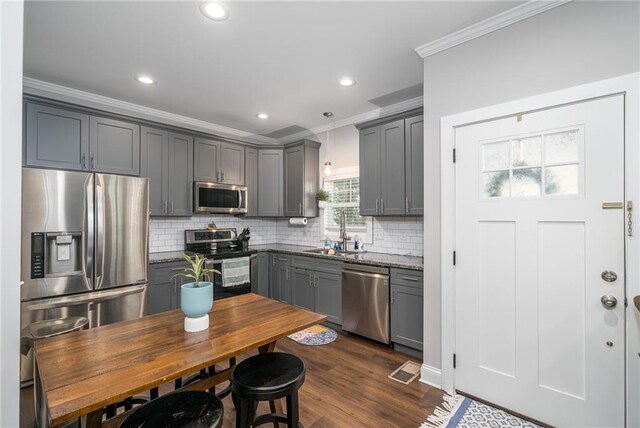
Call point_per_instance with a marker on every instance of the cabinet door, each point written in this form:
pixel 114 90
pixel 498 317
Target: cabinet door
pixel 293 181
pixel 285 282
pixel 392 196
pixel 302 284
pixel 274 284
pixel 414 165
pixel 406 316
pixel 232 164
pixel 114 146
pixel 56 138
pixel 205 162
pixel 270 185
pixel 328 291
pixel 159 297
pixel 163 292
pixel 370 174
pixel 260 277
pixel 154 165
pixel 180 174
pixel 251 181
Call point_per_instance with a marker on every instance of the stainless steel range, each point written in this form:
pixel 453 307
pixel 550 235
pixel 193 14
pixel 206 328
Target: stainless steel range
pixel 218 245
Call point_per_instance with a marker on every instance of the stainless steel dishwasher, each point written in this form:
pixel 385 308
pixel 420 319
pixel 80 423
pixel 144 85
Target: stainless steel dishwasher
pixel 365 301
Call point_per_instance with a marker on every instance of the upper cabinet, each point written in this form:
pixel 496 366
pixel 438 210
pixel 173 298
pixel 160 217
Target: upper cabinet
pixel 270 182
pixel 251 180
pixel 66 139
pixel 301 179
pixel 167 161
pixel 391 166
pixel 219 162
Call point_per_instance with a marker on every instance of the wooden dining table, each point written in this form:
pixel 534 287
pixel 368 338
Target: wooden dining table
pixel 85 371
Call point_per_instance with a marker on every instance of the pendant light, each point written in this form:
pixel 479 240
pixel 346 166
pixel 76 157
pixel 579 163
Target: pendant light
pixel 327 165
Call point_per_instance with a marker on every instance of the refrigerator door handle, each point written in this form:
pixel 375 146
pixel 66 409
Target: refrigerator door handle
pixel 100 241
pixel 88 232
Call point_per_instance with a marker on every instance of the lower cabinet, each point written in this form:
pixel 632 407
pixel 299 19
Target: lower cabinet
pixel 317 286
pixel 163 293
pixel 260 274
pixel 281 277
pixel 407 308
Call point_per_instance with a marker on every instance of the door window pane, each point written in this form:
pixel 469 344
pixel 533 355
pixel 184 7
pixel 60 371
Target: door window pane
pixel 526 151
pixel 561 180
pixel 561 147
pixel 495 156
pixel 526 182
pixel 495 184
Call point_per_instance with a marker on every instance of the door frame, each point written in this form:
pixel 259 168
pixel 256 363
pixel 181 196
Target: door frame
pixel 628 85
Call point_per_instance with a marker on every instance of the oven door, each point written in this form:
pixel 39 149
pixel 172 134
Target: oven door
pixel 219 198
pixel 219 291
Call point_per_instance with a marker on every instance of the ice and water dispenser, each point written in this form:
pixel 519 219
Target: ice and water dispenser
pixel 55 254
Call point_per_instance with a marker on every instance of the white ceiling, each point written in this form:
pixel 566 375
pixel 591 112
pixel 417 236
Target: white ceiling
pixel 283 58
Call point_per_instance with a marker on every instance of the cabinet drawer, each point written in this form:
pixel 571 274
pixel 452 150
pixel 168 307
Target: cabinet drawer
pixel 330 266
pixel 163 272
pixel 407 277
pixel 281 258
pixel 303 262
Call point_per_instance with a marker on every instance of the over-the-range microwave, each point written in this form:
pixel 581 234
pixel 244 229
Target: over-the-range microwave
pixel 215 198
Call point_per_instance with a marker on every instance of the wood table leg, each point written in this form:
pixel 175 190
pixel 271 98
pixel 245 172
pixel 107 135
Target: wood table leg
pixel 269 347
pixel 94 419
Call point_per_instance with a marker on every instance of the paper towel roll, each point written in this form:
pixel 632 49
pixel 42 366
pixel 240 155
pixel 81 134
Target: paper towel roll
pixel 299 221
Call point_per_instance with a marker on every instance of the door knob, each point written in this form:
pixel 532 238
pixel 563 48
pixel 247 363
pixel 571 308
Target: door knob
pixel 609 301
pixel 609 275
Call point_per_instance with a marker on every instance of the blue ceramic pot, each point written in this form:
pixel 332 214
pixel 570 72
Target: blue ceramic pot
pixel 196 301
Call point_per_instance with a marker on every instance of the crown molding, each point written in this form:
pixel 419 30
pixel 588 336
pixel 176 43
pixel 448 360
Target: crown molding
pixel 501 20
pixel 87 99
pixel 363 117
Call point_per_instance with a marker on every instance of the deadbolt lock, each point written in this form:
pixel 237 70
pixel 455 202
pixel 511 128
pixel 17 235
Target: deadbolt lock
pixel 609 275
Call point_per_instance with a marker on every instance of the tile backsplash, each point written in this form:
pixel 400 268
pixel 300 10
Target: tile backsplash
pixel 392 235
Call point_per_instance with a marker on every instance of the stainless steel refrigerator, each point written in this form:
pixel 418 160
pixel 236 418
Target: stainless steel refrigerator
pixel 84 248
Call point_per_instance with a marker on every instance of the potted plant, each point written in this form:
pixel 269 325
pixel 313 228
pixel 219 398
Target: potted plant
pixel 323 197
pixel 196 298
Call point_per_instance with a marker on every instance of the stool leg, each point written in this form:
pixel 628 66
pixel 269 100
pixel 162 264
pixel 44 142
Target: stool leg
pixel 293 416
pixel 178 383
pixel 272 408
pixel 245 414
pixel 154 393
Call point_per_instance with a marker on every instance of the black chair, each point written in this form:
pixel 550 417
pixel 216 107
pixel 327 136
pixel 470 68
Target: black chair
pixel 267 377
pixel 188 409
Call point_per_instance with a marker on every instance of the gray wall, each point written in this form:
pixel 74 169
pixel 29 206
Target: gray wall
pixel 576 43
pixel 10 178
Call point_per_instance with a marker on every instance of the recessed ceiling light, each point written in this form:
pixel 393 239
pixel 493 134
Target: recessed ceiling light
pixel 214 10
pixel 147 80
pixel 262 116
pixel 347 81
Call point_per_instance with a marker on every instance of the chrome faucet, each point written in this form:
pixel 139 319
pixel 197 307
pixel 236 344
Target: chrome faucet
pixel 343 230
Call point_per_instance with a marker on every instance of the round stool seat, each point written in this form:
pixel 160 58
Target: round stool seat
pixel 189 409
pixel 268 376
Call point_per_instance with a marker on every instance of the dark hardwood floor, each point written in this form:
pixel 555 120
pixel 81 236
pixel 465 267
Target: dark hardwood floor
pixel 346 386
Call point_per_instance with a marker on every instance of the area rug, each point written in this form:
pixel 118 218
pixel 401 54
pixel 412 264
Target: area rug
pixel 406 372
pixel 316 335
pixel 463 412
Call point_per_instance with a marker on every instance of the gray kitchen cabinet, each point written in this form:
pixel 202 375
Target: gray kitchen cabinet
pixel 301 160
pixel 270 182
pixel 167 161
pixel 56 138
pixel 251 180
pixel 317 286
pixel 163 293
pixel 391 165
pixel 303 284
pixel 407 308
pixel 218 161
pixel 65 139
pixel 414 170
pixel 281 277
pixel 260 276
pixel 114 146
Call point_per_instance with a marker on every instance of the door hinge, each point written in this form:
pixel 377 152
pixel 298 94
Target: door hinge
pixel 454 258
pixel 454 155
pixel 454 361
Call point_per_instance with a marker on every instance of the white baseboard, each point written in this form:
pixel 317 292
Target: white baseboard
pixel 431 376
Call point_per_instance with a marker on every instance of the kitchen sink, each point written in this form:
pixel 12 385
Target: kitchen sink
pixel 336 252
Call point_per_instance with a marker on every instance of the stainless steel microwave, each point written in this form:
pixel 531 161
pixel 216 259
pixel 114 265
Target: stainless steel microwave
pixel 210 198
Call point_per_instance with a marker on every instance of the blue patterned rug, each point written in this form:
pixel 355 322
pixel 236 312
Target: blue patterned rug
pixel 316 335
pixel 460 411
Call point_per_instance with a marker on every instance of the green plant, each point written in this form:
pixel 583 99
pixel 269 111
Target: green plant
pixel 197 271
pixel 322 195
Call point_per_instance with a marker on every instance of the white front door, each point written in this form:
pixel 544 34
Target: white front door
pixel 532 243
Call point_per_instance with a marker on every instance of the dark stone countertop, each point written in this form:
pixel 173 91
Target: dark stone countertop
pixel 366 258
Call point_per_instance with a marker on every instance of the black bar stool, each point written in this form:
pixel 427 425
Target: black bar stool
pixel 188 409
pixel 268 377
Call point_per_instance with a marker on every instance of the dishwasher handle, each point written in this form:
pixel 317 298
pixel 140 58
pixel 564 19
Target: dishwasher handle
pixel 366 274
